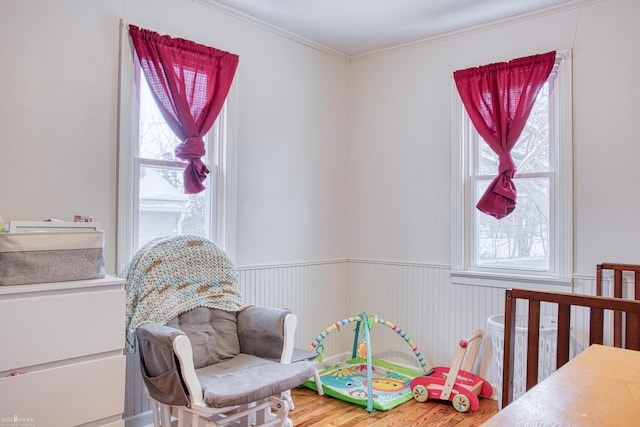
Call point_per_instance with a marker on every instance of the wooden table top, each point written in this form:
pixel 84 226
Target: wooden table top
pixel 600 387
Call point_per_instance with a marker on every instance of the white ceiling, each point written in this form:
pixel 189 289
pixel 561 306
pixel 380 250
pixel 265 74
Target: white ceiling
pixel 358 26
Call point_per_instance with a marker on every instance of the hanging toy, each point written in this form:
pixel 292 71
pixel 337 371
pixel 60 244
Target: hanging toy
pixel 371 321
pixel 362 350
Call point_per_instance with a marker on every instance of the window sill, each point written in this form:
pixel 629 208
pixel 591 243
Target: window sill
pixel 506 281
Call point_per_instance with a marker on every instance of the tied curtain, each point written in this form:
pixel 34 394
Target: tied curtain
pixel 190 83
pixel 498 98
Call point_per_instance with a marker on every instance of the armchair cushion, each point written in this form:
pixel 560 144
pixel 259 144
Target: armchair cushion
pixel 261 331
pixel 227 376
pixel 213 334
pixel 246 378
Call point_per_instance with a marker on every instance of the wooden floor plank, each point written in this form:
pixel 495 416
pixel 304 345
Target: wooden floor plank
pixel 323 411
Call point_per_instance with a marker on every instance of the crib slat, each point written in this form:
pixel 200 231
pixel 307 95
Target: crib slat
pixel 632 326
pixel 533 338
pixel 564 330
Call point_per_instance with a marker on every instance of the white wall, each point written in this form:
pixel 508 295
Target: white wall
pixel 606 111
pixel 400 167
pixel 58 156
pixel 400 150
pixel 303 114
pixel 59 110
pixel 335 160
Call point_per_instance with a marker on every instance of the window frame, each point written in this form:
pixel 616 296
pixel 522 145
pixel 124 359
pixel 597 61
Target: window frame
pixel 221 145
pixel 561 198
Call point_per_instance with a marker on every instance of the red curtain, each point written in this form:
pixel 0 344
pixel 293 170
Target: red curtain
pixel 190 83
pixel 498 98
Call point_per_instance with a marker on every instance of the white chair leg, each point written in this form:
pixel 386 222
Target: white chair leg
pixel 281 407
pixel 166 415
pixel 245 421
pixel 316 377
pixel 286 395
pixel 154 412
pixel 262 416
pixel 181 417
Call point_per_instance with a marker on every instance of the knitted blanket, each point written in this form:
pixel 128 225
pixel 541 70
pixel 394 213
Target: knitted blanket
pixel 171 275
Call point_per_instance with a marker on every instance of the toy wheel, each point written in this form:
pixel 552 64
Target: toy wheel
pixel 461 402
pixel 420 393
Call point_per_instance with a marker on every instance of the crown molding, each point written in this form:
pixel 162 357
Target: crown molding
pixel 273 28
pixel 213 4
pixel 551 10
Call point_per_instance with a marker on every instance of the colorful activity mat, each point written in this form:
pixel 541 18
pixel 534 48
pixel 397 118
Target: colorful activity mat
pixel 364 380
pixel 348 381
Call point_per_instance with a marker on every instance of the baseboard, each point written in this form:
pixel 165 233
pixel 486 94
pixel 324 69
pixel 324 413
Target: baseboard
pixel 144 419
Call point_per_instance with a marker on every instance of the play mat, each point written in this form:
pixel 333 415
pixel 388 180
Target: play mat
pixel 374 383
pixel 348 381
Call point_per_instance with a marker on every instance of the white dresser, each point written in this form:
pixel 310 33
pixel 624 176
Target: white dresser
pixel 61 353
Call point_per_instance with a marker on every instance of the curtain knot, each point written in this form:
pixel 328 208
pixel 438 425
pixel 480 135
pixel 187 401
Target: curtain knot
pixel 502 93
pixel 191 148
pixel 506 164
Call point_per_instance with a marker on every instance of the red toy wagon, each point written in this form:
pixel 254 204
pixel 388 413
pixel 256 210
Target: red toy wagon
pixel 456 383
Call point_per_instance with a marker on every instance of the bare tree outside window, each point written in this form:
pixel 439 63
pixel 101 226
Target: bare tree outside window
pixel 522 238
pixel 164 209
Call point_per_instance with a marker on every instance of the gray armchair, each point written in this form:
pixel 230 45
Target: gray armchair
pixel 209 362
pixel 205 365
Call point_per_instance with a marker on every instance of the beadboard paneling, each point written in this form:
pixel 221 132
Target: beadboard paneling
pixel 316 292
pixel 417 298
pixel 587 286
pixel 421 300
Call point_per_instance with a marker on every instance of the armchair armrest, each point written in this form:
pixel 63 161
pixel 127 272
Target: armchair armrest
pixel 267 332
pixel 158 363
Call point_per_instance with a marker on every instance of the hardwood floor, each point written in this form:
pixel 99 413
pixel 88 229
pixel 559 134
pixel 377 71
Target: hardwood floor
pixel 324 411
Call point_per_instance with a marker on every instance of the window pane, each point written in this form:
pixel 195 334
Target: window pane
pixel 157 140
pixel 531 152
pixel 520 240
pixel 164 209
pixel 487 158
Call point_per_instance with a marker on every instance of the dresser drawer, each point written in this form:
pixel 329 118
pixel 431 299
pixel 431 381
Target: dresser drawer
pixel 69 395
pixel 43 327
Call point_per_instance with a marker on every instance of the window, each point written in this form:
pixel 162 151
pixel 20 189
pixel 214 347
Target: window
pixel 151 198
pixel 534 243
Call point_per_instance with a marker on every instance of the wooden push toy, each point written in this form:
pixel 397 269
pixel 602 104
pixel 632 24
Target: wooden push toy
pixel 456 383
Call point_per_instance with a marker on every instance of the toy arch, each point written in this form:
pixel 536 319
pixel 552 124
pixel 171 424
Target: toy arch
pixel 318 348
pixel 367 321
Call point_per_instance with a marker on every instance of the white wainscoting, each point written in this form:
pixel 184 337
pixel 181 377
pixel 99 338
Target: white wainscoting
pixel 420 299
pixel 137 410
pixel 317 293
pixel 586 285
pixel 416 297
